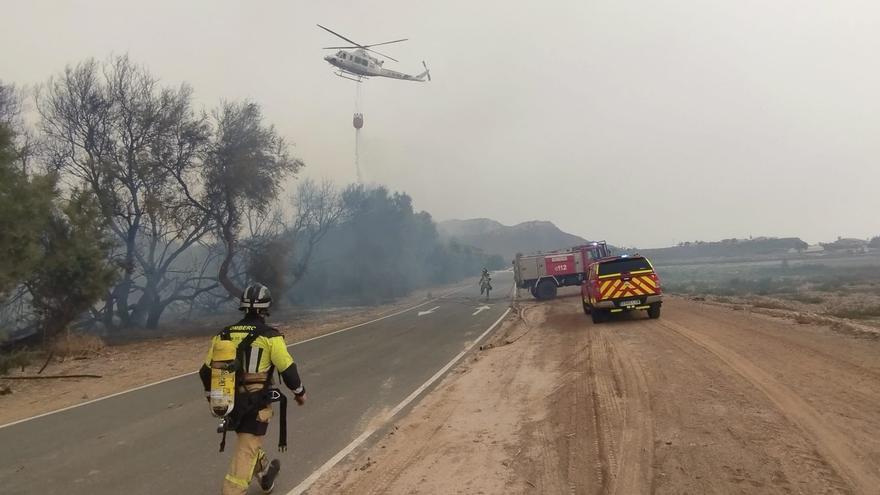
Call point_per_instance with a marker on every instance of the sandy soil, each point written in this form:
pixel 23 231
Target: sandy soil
pixel 707 399
pixel 133 364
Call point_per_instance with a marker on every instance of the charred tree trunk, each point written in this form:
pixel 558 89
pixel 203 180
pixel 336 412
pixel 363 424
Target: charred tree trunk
pixel 155 314
pixel 223 275
pixel 123 290
pixel 141 311
pixel 228 233
pixel 106 314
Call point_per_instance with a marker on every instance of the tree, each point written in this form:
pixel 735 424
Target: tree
pixel 496 262
pixel 268 264
pixel 244 165
pixel 53 248
pixel 10 104
pixel 25 207
pixel 317 209
pixel 381 248
pixel 11 115
pixel 280 258
pixel 113 128
pixel 74 270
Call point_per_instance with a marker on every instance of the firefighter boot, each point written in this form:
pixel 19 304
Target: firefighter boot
pixel 267 478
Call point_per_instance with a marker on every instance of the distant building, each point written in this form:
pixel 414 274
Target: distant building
pixel 846 245
pixel 814 249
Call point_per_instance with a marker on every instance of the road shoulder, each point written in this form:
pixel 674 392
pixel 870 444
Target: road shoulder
pixel 464 434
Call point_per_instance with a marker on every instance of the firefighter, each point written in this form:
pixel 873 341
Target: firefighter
pixel 485 281
pixel 262 351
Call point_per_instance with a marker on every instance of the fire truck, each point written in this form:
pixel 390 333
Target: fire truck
pixel 543 273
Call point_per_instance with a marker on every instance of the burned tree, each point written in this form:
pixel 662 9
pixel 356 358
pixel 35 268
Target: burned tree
pixel 112 128
pixel 317 209
pixel 24 142
pixel 278 252
pixel 244 165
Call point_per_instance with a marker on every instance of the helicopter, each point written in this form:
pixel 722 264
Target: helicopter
pixel 357 64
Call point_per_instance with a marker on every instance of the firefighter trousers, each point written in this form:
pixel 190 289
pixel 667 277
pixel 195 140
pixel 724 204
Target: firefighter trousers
pixel 248 460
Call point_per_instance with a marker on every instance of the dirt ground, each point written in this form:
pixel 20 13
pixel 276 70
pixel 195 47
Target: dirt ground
pixel 128 365
pixel 706 399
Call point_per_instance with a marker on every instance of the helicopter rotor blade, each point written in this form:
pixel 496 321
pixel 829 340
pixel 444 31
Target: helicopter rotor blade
pixel 386 43
pixel 340 47
pixel 358 45
pixel 340 36
pixel 389 57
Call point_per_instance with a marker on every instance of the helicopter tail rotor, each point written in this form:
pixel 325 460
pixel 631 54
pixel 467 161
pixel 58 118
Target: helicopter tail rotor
pixel 427 72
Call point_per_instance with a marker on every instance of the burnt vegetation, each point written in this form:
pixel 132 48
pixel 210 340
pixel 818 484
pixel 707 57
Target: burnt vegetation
pixel 124 205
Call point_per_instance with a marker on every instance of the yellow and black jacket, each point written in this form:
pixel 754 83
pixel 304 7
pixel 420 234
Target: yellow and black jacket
pixel 267 353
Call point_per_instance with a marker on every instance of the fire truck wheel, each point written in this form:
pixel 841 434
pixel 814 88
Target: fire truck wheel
pixel 598 316
pixel 586 308
pixel 546 290
pixel 533 291
pixel 654 311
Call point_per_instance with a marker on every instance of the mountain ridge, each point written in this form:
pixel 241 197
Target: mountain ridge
pixel 493 237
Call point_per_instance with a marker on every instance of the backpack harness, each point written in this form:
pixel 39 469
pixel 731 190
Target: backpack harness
pixel 248 402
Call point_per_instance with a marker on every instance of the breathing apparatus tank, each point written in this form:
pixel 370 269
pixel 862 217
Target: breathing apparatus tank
pixel 223 370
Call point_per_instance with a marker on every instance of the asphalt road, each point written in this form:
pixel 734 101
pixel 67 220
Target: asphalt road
pixel 162 439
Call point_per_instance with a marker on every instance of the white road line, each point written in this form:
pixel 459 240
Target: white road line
pixel 430 311
pixel 306 483
pixel 96 400
pixel 141 387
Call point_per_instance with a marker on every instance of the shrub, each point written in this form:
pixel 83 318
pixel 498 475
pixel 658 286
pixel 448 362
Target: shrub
pixel 807 298
pixel 18 358
pixel 862 312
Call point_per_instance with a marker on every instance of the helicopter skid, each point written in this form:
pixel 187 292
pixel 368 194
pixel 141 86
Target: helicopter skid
pixel 350 76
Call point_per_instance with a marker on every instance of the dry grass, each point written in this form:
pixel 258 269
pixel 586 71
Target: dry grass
pixel 807 298
pixel 75 345
pixel 769 304
pixel 835 289
pixel 70 346
pixel 807 319
pixel 857 312
pixel 845 327
pixel 18 358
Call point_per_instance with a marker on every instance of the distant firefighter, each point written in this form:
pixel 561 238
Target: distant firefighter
pixel 358 120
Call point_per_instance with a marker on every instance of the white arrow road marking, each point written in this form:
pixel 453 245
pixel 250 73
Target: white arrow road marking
pixel 423 313
pixel 480 310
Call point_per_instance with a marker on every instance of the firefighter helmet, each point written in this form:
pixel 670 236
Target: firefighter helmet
pixel 255 296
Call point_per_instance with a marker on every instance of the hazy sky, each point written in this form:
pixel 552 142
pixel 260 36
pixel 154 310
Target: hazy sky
pixel 639 122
